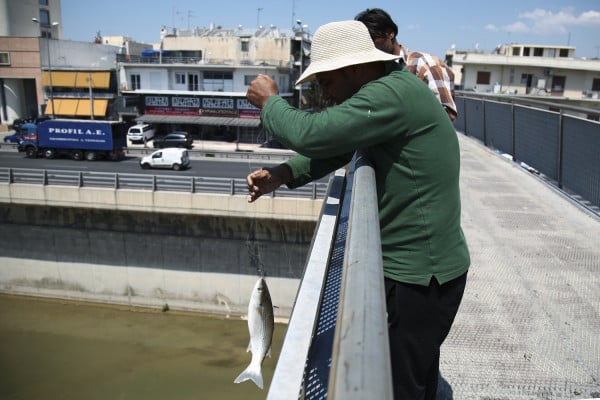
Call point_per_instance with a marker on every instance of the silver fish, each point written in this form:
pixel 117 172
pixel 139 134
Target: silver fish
pixel 260 326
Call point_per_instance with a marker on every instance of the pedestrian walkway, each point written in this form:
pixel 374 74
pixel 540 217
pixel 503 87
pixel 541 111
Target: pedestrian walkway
pixel 529 323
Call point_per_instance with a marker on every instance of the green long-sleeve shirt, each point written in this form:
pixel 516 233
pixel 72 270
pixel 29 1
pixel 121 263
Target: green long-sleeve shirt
pixel 402 129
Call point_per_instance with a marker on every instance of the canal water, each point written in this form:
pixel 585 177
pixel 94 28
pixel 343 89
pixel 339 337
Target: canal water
pixel 56 349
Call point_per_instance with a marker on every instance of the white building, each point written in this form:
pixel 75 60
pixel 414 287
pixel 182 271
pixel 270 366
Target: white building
pixel 196 80
pixel 527 70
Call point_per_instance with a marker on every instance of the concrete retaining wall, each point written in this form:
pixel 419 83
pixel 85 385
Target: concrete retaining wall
pixel 295 209
pixel 160 253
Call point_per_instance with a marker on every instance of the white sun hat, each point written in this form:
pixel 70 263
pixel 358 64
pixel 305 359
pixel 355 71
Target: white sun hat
pixel 340 44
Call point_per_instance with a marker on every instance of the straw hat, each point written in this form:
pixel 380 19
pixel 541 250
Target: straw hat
pixel 340 44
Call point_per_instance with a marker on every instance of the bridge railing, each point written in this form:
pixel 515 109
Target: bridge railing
pixel 190 184
pixel 336 345
pixel 547 139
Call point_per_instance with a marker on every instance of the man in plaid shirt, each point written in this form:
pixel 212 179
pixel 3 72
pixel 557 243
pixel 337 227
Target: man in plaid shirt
pixel 436 74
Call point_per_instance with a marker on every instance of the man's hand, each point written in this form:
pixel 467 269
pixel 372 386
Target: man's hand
pixel 260 90
pixel 265 180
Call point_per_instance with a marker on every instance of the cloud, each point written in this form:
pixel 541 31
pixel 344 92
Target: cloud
pixel 590 18
pixel 544 22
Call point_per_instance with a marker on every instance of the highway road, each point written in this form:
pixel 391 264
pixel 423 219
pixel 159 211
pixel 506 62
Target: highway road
pixel 130 165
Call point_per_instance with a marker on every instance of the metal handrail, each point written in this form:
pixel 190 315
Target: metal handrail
pixel 189 184
pixel 360 361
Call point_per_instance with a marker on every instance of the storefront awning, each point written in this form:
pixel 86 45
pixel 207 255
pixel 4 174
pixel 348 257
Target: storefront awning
pixel 77 107
pixel 100 106
pixel 99 80
pixel 69 79
pixel 59 79
pixel 214 121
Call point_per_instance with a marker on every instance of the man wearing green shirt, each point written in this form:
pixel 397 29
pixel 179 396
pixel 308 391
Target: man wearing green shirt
pixel 397 122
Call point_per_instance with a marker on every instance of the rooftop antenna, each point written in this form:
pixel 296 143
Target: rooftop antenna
pixel 258 10
pixel 190 14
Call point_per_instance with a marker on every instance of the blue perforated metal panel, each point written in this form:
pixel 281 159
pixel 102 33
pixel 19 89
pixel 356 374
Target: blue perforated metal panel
pixel 319 356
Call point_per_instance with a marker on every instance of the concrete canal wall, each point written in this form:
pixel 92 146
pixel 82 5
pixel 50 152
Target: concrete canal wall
pixel 174 254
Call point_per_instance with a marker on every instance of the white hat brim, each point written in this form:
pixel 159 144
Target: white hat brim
pixel 351 59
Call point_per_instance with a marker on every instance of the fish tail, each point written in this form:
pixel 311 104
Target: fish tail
pixel 252 373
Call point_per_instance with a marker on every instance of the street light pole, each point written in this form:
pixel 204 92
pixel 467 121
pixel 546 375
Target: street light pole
pixel 299 22
pixel 48 28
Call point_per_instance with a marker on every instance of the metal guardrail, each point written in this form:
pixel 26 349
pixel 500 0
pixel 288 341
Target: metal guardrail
pixel 336 345
pixel 198 153
pixel 190 184
pixel 360 363
pixel 562 149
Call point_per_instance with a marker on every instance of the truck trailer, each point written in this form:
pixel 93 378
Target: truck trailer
pixel 77 139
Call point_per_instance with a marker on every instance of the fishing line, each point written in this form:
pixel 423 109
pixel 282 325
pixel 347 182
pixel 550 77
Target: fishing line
pixel 252 244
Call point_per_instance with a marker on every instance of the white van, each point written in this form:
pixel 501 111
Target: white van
pixel 171 157
pixel 140 133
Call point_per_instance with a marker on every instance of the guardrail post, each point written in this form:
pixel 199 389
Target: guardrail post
pixel 513 133
pixel 10 176
pixel 80 179
pixel 154 183
pixel 559 178
pixel 232 187
pixel 116 183
pixel 45 178
pixel 193 185
pixel 314 191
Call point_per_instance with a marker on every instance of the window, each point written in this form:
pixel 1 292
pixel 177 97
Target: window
pixel 135 82
pixel 483 77
pixel 516 51
pixel 4 58
pixel 44 18
pixel 180 78
pixel 526 51
pixel 245 46
pixel 558 85
pixel 248 79
pixel 218 81
pixel 596 85
pixel 564 53
pixel 193 82
pixel 538 52
pixel 43 2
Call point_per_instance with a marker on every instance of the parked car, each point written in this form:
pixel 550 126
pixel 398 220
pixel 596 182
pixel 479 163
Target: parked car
pixel 174 139
pixel 273 144
pixel 140 133
pixel 173 158
pixel 14 138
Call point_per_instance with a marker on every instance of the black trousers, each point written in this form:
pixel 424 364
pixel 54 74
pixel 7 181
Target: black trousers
pixel 419 319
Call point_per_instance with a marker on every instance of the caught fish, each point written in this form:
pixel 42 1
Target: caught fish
pixel 260 326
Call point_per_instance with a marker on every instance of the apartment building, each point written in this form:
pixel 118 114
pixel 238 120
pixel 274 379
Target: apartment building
pixel 196 80
pixel 524 69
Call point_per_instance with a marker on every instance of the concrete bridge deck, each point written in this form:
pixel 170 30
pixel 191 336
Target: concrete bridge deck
pixel 529 323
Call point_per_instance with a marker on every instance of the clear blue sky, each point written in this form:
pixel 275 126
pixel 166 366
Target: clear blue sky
pixel 430 26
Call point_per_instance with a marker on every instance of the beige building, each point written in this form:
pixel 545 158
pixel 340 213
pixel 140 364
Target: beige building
pixel 522 69
pixel 20 63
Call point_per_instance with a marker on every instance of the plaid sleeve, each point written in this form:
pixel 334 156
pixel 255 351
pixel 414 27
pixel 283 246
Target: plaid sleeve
pixel 437 75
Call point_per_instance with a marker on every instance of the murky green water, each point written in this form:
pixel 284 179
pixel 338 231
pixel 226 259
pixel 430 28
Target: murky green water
pixel 52 349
